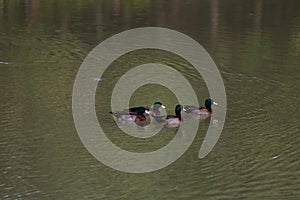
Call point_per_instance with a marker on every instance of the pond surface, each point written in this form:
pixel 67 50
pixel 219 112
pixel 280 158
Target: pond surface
pixel 256 46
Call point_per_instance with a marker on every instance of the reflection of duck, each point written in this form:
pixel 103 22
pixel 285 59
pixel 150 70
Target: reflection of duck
pixel 202 110
pixel 171 120
pixel 126 115
pixel 154 111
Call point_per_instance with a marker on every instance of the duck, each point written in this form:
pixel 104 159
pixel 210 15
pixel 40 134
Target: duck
pixel 137 116
pixel 171 120
pixel 202 110
pixel 154 111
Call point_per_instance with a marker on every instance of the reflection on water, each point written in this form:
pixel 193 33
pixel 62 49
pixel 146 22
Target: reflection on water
pixel 255 44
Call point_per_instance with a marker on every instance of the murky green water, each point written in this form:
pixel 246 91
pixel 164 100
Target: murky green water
pixel 256 46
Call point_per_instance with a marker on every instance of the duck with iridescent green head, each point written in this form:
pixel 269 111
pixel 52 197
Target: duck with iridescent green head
pixel 171 120
pixel 202 110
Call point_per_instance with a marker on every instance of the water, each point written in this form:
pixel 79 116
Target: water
pixel 256 46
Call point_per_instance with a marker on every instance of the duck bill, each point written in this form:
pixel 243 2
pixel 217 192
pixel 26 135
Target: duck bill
pixel 215 103
pixel 163 106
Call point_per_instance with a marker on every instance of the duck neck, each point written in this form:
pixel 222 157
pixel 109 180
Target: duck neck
pixel 178 115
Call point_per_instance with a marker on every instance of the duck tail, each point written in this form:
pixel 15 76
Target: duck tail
pixel 116 114
pixel 187 108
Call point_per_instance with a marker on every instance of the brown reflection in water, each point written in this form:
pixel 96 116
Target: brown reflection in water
pixel 32 11
pixel 214 21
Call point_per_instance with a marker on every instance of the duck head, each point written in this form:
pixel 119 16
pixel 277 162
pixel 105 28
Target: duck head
pixel 208 103
pixel 157 105
pixel 178 109
pixel 140 110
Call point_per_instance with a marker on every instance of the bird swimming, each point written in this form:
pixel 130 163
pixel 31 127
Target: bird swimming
pixel 202 110
pixel 171 120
